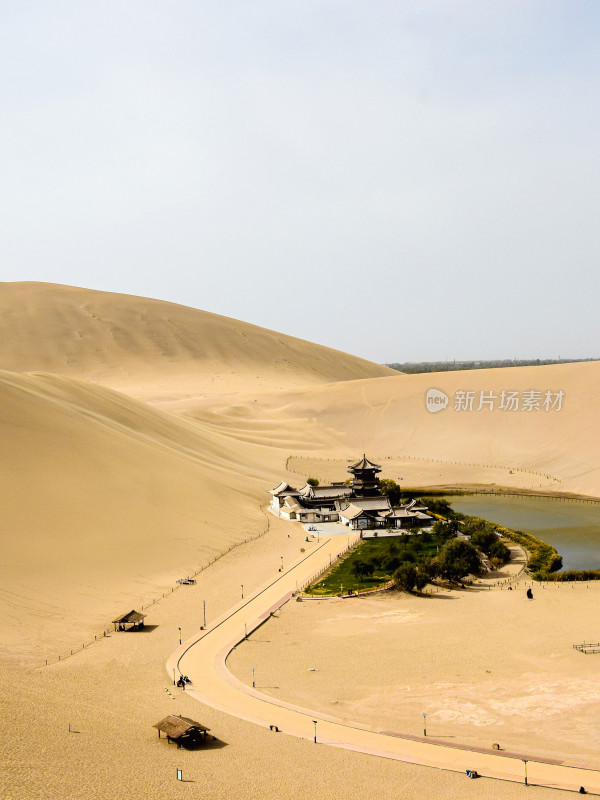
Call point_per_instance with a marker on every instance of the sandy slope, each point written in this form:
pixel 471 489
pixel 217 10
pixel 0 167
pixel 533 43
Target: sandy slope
pixel 485 666
pixel 387 417
pixel 152 348
pixel 106 500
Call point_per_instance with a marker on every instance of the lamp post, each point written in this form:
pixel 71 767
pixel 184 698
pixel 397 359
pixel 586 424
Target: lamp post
pixel 242 585
pixel 424 724
pixel 315 724
pixel 282 563
pixel 179 635
pixel 204 607
pixel 253 684
pixel 525 763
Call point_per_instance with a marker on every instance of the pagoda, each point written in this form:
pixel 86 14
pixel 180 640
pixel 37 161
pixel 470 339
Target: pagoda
pixel 365 482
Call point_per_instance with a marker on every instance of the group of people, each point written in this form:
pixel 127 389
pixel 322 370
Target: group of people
pixel 183 679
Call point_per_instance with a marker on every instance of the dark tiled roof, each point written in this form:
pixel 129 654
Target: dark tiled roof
pixel 364 463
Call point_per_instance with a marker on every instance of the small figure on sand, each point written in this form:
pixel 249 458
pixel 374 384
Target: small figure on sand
pixel 530 593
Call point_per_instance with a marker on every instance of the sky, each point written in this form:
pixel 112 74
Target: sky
pixel 405 181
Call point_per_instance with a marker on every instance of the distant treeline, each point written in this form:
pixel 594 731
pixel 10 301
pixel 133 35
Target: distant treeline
pixel 449 366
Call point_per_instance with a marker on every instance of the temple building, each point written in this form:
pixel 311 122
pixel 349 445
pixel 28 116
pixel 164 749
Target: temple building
pixel 357 502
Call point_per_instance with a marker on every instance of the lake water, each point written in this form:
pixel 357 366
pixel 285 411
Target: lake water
pixel 572 527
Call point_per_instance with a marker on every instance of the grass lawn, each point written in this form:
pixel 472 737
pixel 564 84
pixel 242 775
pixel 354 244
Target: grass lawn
pixel 340 578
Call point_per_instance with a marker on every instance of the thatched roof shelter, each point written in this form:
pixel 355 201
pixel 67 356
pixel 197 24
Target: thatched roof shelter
pixel 175 727
pixel 131 618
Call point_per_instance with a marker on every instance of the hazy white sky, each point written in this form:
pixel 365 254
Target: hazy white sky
pixel 402 180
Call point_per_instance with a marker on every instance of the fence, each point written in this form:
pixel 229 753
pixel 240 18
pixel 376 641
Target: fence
pixel 297 461
pixel 179 583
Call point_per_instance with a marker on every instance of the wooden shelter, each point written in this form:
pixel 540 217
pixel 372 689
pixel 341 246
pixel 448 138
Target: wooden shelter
pixel 181 729
pixel 133 618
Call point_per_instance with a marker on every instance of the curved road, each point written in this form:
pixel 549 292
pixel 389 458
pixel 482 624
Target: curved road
pixel 204 657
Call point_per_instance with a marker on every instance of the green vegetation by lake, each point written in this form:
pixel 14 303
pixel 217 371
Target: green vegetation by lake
pixel 385 554
pixel 572 527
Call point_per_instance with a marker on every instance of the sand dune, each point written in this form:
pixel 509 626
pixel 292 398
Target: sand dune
pixel 387 417
pixel 105 498
pixel 141 345
pixel 109 496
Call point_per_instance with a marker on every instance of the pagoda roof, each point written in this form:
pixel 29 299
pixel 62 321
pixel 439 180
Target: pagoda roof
pixel 364 463
pixel 283 488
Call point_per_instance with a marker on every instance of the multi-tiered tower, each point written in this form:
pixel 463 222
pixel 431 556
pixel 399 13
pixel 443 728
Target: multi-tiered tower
pixel 365 482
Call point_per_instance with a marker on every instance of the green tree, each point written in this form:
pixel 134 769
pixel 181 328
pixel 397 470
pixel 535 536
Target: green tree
pixel 392 564
pixel 438 506
pixel 390 488
pixel 377 560
pixel 430 568
pixel 444 529
pixel 484 538
pixel 405 577
pixel 312 481
pixel 408 555
pixel 362 569
pixel 421 580
pixel 499 551
pixel 457 559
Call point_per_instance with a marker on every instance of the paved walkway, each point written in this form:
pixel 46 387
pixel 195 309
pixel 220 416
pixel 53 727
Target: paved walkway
pixel 203 659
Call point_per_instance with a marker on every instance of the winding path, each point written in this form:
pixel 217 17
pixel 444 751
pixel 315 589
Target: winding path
pixel 204 657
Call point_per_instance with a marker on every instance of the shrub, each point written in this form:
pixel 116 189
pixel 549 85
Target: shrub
pixel 312 481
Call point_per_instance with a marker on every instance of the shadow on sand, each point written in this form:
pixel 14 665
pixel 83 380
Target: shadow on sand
pixel 145 629
pixel 439 596
pixel 201 743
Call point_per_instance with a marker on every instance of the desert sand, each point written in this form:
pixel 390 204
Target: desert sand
pixel 509 674
pixel 139 439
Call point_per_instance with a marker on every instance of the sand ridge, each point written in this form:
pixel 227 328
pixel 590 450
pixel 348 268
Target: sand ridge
pixel 151 348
